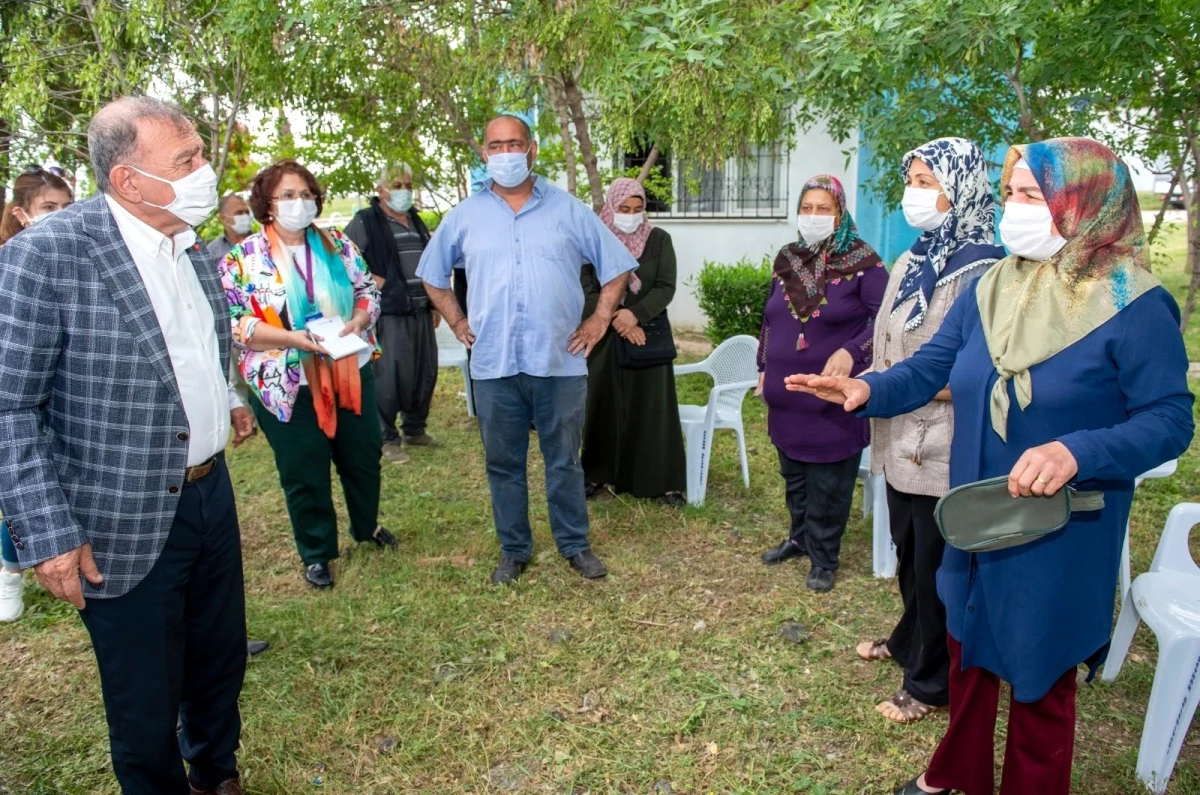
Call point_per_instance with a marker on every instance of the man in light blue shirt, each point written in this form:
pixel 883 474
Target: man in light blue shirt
pixel 522 242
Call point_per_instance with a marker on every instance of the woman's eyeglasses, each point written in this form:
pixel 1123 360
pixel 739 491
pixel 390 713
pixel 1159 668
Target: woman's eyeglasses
pixel 291 195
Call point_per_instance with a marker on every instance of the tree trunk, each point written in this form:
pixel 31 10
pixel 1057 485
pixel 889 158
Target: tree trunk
pixel 5 165
pixel 1191 200
pixel 559 101
pixel 1162 211
pixel 648 166
pixel 586 151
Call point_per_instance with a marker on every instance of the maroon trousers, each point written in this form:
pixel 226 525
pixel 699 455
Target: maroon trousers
pixel 1041 736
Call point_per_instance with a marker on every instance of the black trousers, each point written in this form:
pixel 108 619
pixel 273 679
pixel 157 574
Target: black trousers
pixel 173 651
pixel 406 374
pixel 819 498
pixel 918 643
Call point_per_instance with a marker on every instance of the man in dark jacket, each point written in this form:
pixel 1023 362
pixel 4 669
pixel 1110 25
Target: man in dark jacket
pixel 391 237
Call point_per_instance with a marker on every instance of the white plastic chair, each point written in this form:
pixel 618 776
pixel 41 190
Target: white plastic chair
pixel 733 367
pixel 452 353
pixel 1161 471
pixel 1167 598
pixel 883 549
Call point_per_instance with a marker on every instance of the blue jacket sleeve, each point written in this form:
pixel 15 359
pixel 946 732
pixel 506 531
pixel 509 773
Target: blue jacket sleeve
pixel 31 341
pixel 915 381
pixel 1152 370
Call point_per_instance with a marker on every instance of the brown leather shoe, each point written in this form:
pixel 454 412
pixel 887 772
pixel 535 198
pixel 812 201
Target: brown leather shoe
pixel 230 786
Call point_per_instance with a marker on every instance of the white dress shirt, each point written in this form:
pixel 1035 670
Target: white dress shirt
pixel 186 320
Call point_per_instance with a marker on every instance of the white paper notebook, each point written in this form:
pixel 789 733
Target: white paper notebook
pixel 328 328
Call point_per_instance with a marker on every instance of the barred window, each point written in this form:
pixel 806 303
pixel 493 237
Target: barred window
pixel 751 186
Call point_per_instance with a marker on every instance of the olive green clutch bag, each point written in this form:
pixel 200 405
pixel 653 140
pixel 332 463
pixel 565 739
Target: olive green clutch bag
pixel 983 516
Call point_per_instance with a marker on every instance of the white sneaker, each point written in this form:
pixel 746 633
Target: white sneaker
pixel 12 588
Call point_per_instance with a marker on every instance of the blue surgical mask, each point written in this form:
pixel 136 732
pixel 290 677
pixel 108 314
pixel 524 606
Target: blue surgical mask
pixel 509 169
pixel 400 201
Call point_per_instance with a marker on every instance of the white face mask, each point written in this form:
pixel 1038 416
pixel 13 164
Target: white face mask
pixel 195 195
pixel 295 215
pixel 241 224
pixel 1025 231
pixel 920 208
pixel 815 228
pixel 628 222
pixel 34 220
pixel 508 169
pixel 400 200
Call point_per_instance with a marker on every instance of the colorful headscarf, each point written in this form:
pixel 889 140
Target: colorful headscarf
pixel 966 240
pixel 1031 310
pixel 803 270
pixel 623 188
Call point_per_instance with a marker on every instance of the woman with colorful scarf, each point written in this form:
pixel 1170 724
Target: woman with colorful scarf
pixel 1067 368
pixel 632 440
pixel 309 405
pixel 949 199
pixel 818 318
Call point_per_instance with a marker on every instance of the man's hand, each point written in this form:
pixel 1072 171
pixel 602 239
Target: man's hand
pixel 243 424
pixel 437 318
pixel 852 393
pixel 1042 471
pixel 587 335
pixel 462 330
pixel 623 321
pixel 60 575
pixel 839 364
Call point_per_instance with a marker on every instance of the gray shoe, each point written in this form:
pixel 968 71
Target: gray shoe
pixel 820 580
pixel 394 452
pixel 422 440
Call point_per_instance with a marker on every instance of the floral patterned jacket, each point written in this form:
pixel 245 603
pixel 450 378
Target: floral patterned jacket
pixel 254 288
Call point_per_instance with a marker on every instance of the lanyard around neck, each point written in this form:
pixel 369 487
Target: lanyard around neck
pixel 307 273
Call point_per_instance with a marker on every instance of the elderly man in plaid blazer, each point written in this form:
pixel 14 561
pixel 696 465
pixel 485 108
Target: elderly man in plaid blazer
pixel 114 411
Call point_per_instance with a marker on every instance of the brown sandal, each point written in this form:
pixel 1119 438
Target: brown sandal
pixel 903 708
pixel 873 650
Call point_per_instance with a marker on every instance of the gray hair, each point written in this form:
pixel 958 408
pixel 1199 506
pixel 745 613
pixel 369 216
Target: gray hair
pixel 394 171
pixel 113 132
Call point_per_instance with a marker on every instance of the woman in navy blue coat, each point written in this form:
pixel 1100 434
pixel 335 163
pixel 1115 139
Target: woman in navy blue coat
pixel 1067 366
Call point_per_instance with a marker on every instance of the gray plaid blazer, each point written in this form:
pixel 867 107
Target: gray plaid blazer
pixel 93 435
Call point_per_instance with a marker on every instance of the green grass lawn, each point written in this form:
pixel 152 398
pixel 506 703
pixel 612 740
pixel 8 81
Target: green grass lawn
pixel 415 676
pixel 1169 255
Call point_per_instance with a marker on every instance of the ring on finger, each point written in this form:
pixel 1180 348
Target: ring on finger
pixel 1041 480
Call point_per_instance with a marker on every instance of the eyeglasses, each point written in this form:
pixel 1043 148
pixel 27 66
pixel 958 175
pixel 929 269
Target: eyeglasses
pixel 291 195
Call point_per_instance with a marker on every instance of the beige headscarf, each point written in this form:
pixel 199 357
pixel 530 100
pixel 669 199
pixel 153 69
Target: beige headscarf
pixel 1031 310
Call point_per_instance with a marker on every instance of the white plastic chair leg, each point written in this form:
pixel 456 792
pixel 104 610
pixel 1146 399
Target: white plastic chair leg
pixel 1125 576
pixel 696 443
pixel 868 496
pixel 1127 623
pixel 1172 704
pixel 467 390
pixel 741 436
pixel 883 549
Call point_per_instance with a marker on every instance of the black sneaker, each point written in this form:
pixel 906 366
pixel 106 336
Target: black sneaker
pixel 508 571
pixel 787 550
pixel 588 565
pixel 319 576
pixel 820 579
pixel 383 539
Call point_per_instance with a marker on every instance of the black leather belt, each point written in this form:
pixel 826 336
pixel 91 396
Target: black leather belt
pixel 200 470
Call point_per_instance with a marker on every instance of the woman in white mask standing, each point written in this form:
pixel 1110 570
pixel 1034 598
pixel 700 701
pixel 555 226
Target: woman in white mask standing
pixel 632 440
pixel 1067 369
pixel 35 195
pixel 948 199
pixel 314 410
pixel 818 318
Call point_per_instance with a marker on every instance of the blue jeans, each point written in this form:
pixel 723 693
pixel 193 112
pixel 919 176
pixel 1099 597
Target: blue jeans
pixel 506 407
pixel 8 553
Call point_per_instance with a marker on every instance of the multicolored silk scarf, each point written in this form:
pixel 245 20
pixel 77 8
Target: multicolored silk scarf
pixel 960 168
pixel 1031 310
pixel 621 189
pixel 804 270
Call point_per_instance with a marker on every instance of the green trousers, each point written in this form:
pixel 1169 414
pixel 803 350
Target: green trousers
pixel 303 454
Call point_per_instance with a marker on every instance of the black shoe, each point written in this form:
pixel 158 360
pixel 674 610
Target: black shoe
pixel 587 564
pixel 787 550
pixel 508 571
pixel 421 440
pixel 911 788
pixel 319 576
pixel 820 579
pixel 254 647
pixel 674 498
pixel 593 490
pixel 383 539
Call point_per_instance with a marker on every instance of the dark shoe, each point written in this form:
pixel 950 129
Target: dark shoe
pixel 383 539
pixel 255 647
pixel 230 786
pixel 508 571
pixel 820 579
pixel 394 452
pixel 593 490
pixel 587 564
pixel 421 440
pixel 319 576
pixel 787 550
pixel 674 498
pixel 911 788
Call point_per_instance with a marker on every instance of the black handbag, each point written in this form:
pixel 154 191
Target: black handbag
pixel 658 350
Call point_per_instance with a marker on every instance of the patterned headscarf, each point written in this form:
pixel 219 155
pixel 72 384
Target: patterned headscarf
pixel 1031 310
pixel 803 270
pixel 621 189
pixel 968 231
